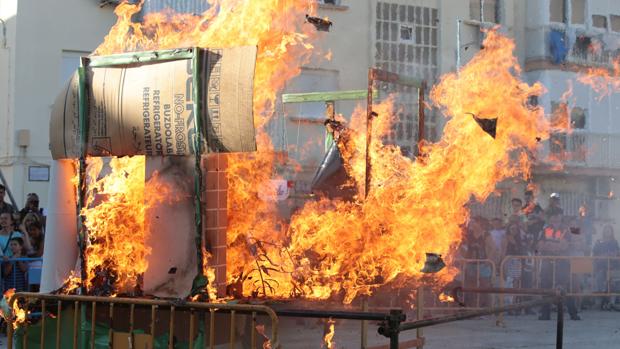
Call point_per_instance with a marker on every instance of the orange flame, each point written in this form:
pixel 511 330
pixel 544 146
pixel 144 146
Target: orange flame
pixel 266 341
pixel 114 216
pixel 328 339
pixel 444 298
pixel 16 315
pixel 604 81
pixel 334 247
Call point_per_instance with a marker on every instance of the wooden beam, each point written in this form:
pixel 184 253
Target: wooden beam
pixel 324 96
pixel 140 57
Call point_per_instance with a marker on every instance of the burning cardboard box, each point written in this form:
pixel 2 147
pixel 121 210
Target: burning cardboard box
pixel 171 106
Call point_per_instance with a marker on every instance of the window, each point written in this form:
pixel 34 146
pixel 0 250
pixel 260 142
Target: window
pixel 578 9
pixel 490 10
pixel 406 33
pixel 329 2
pixel 556 11
pixel 578 118
pixel 615 23
pixel 599 21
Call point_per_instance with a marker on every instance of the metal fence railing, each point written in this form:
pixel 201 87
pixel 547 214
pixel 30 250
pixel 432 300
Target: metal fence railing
pixel 474 273
pixel 68 321
pixel 18 279
pixel 578 276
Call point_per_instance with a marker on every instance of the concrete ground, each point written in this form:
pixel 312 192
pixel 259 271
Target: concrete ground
pixel 597 329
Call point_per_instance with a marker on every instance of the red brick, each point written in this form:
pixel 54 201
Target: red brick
pixel 211 180
pixel 222 199
pixel 222 180
pixel 211 218
pixel 212 199
pixel 222 218
pixel 209 161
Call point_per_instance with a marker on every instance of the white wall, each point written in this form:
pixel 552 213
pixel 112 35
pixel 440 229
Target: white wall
pixel 40 32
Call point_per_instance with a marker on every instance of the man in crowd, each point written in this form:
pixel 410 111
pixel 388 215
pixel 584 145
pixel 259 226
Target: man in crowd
pixel 4 206
pixel 32 206
pixel 605 247
pixel 554 207
pixel 554 242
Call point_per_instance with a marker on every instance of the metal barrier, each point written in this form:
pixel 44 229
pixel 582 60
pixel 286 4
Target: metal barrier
pixel 566 272
pixel 475 273
pixel 32 276
pixel 51 306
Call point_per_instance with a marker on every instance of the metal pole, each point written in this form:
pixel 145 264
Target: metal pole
pixel 369 115
pixel 392 328
pixel 8 190
pixel 559 339
pixel 3 33
pixel 421 115
pixel 420 315
pixel 364 339
pixel 458 45
pixel 470 314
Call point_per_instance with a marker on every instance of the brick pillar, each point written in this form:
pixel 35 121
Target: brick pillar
pixel 215 219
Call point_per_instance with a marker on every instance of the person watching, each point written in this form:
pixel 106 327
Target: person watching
pixel 4 206
pixel 14 272
pixel 7 232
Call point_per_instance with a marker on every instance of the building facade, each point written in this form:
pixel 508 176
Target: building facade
pixel 420 39
pixel 40 46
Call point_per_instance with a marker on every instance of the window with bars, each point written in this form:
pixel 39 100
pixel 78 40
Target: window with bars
pixel 557 10
pixel 406 43
pixel 490 8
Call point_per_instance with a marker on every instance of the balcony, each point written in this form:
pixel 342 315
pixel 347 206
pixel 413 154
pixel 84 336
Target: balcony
pixel 583 150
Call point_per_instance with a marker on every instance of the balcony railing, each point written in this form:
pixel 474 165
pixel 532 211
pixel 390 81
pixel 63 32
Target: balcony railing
pixel 583 149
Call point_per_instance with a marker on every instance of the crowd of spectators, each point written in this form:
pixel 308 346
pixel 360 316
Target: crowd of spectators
pixel 530 230
pixel 21 236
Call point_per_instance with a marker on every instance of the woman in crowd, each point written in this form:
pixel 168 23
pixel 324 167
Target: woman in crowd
pixel 32 228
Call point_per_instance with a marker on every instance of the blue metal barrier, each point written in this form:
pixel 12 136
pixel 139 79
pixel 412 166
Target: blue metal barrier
pixel 32 276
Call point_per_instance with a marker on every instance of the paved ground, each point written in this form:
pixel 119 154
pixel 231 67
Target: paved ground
pixel 598 329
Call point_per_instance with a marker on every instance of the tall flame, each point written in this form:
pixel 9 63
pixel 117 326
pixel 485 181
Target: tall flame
pixel 413 207
pixel 114 216
pixel 335 247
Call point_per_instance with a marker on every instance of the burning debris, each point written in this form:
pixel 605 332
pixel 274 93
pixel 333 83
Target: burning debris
pixel 487 125
pixel 433 263
pixel 321 24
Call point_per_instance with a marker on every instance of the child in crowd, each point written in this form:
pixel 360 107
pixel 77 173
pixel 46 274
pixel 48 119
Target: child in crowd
pixel 14 272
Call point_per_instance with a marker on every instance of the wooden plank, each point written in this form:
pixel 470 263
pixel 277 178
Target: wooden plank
pixel 324 96
pixel 140 57
pixel 413 343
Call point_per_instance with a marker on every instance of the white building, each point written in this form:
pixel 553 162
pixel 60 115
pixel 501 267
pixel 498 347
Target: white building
pixel 415 38
pixel 40 46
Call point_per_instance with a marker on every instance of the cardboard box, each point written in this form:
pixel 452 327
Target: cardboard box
pixel 148 108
